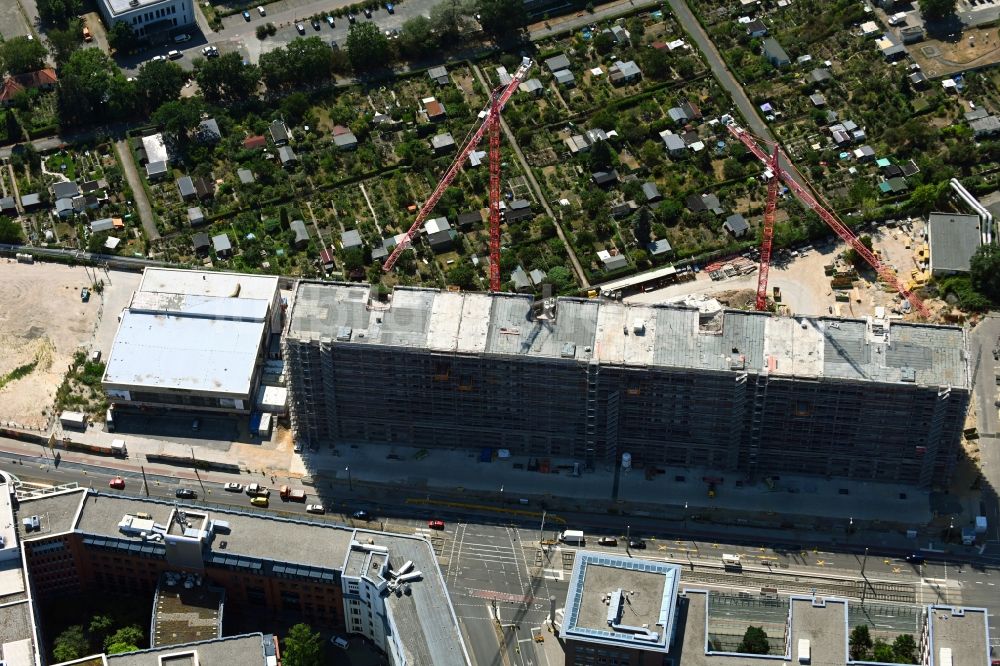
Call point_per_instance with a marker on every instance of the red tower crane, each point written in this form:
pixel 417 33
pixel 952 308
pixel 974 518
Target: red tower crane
pixel 490 117
pixel 807 198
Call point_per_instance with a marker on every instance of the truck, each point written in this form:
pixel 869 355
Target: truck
pixel 75 420
pixel 257 490
pixel 731 562
pixel 292 495
pixel 573 537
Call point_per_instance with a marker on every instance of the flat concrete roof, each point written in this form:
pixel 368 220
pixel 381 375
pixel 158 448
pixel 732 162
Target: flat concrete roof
pixel 953 239
pixel 156 149
pixel 245 650
pixel 302 542
pixel 208 283
pixel 56 513
pixel 621 334
pixel 822 622
pixel 961 630
pixel 621 601
pixel 16 622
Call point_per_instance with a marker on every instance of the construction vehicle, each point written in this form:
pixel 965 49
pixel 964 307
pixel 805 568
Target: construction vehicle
pixel 289 495
pixel 490 117
pixel 776 173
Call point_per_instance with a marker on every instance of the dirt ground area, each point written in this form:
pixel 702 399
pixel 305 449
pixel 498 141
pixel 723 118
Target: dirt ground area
pixel 42 323
pixel 974 48
pixel 805 288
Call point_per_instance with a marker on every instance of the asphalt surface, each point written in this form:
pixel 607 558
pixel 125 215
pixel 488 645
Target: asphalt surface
pixel 487 559
pixel 983 339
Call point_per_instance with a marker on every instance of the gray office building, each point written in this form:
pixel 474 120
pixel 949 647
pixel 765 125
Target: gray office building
pixel 591 380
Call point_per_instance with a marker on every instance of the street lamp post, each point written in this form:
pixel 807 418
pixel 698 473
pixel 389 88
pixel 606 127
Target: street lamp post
pixel 350 483
pixel 685 518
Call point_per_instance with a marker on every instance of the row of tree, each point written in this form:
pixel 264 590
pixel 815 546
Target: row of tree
pixel 99 635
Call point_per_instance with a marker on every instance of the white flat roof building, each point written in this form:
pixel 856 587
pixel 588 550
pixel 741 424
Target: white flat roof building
pixel 148 17
pixel 194 339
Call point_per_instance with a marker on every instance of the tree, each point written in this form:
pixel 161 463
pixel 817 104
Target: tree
pixel 158 82
pixel 860 643
pixel 226 81
pixel 179 117
pixel 643 227
pixel 122 37
pixel 669 212
pixel 882 652
pixel 353 258
pixel 984 270
pixel 63 42
pixel 503 20
pixel 70 644
pixel 303 646
pixel 731 169
pixel 904 649
pixel 754 641
pixel 604 42
pixel 58 12
pixel 449 18
pixel 92 87
pixel 463 275
pixel 853 257
pixel 367 47
pixel 926 197
pixel 10 231
pixel 562 279
pixel 294 107
pixel 100 626
pixel 936 10
pixel 417 38
pixel 600 156
pixel 655 64
pixel 129 637
pixel 20 54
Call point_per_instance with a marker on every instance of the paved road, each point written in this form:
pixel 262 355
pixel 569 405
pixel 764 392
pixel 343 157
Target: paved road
pixel 982 341
pixel 138 191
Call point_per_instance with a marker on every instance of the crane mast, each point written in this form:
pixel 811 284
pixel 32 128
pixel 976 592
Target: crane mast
pixel 490 123
pixel 807 198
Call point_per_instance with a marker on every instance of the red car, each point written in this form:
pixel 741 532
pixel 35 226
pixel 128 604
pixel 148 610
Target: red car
pixel 435 524
pixel 118 483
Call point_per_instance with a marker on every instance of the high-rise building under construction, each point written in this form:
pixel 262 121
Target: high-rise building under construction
pixel 591 380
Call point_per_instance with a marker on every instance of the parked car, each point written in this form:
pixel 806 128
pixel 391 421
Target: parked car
pixel 351 18
pixel 315 24
pixel 87 37
pixel 340 642
pixel 638 544
pixel 915 558
pixel 362 515
pixel 185 493
pixel 118 483
pixel 210 52
pixel 261 11
pixel 233 487
pixel 333 44
pixel 368 13
pixel 259 501
pixel 181 38
pixel 174 54
pixel 608 541
pixel 85 293
pixel 246 15
pixel 315 508
pixel 329 20
pixel 196 424
pixel 435 524
pixel 389 7
pixel 301 28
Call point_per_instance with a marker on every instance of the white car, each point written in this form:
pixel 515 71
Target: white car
pixel 260 10
pixel 315 508
pixel 233 487
pixel 174 54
